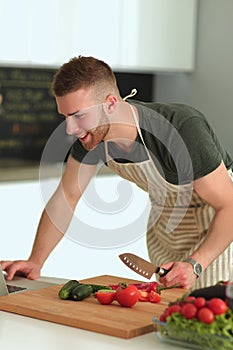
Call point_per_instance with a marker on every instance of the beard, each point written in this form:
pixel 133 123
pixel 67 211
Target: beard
pixel 97 135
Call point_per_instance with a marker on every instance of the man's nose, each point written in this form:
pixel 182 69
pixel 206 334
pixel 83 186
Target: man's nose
pixel 71 125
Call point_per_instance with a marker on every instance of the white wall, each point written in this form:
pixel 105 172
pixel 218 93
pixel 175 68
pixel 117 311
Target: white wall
pixel 22 204
pixel 210 87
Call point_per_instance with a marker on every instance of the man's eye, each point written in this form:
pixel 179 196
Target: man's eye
pixel 78 116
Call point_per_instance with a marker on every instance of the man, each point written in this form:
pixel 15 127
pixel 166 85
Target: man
pixel 168 150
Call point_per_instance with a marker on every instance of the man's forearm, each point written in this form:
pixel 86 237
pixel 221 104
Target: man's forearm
pixel 53 224
pixel 218 238
pixel 47 237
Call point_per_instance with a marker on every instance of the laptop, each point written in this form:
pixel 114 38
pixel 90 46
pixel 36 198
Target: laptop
pixel 20 284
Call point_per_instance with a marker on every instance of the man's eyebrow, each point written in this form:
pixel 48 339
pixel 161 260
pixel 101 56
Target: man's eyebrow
pixel 70 114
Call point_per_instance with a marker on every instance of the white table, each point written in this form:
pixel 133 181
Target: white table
pixel 25 333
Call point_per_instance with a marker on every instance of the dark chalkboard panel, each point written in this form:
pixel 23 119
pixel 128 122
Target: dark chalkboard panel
pixel 143 82
pixel 28 114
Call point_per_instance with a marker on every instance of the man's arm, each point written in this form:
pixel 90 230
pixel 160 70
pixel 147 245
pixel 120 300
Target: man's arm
pixel 216 189
pixel 55 219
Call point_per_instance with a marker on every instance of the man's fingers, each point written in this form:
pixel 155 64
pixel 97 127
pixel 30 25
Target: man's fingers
pixel 11 268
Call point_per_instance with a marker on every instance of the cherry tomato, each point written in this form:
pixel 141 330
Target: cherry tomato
pixel 143 295
pixel 190 299
pixel 189 310
pixel 105 297
pixel 154 297
pixel 163 317
pixel 173 308
pixel 217 305
pixel 205 315
pixel 199 302
pixel 127 295
pixel 169 311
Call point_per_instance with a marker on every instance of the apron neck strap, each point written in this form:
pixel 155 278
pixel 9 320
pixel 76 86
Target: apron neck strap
pixel 137 124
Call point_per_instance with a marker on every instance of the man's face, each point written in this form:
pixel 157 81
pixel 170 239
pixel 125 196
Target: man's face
pixel 84 118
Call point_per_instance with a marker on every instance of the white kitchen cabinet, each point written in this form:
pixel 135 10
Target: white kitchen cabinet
pixel 97 29
pixel 138 35
pixel 130 35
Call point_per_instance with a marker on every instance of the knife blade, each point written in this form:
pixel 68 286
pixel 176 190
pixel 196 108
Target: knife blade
pixel 141 266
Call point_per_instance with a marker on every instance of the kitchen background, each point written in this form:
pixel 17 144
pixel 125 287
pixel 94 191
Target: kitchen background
pixel 170 50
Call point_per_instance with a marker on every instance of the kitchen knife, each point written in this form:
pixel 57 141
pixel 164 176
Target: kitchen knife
pixel 141 266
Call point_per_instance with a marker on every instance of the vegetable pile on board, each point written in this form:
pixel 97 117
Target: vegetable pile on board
pixel 74 290
pixel 203 321
pixel 125 294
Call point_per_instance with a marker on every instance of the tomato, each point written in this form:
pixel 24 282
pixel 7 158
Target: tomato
pixel 154 297
pixel 190 299
pixel 173 308
pixel 151 296
pixel 105 296
pixel 199 302
pixel 127 295
pixel 169 311
pixel 217 305
pixel 143 295
pixel 164 315
pixel 205 315
pixel 189 310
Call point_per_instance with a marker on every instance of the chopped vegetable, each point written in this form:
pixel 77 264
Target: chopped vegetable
pixel 146 286
pixel 151 296
pixel 154 297
pixel 105 296
pixel 143 295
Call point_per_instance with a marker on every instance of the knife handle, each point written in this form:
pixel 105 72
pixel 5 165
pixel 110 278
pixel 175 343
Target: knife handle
pixel 161 271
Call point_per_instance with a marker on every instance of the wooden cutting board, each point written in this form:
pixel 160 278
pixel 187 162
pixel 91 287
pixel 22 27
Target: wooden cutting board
pixel 88 314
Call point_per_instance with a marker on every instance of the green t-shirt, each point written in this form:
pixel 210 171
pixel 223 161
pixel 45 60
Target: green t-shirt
pixel 179 138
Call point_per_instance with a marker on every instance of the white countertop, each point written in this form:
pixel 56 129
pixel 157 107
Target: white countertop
pixel 24 333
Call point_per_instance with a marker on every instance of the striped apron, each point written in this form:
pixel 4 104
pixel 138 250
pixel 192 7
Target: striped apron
pixel 174 229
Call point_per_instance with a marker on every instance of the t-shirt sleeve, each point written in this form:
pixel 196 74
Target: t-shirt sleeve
pixel 79 153
pixel 202 145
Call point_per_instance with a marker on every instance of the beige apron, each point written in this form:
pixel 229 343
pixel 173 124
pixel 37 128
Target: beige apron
pixel 188 225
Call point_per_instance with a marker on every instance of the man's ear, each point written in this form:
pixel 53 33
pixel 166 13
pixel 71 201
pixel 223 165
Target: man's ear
pixel 110 104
